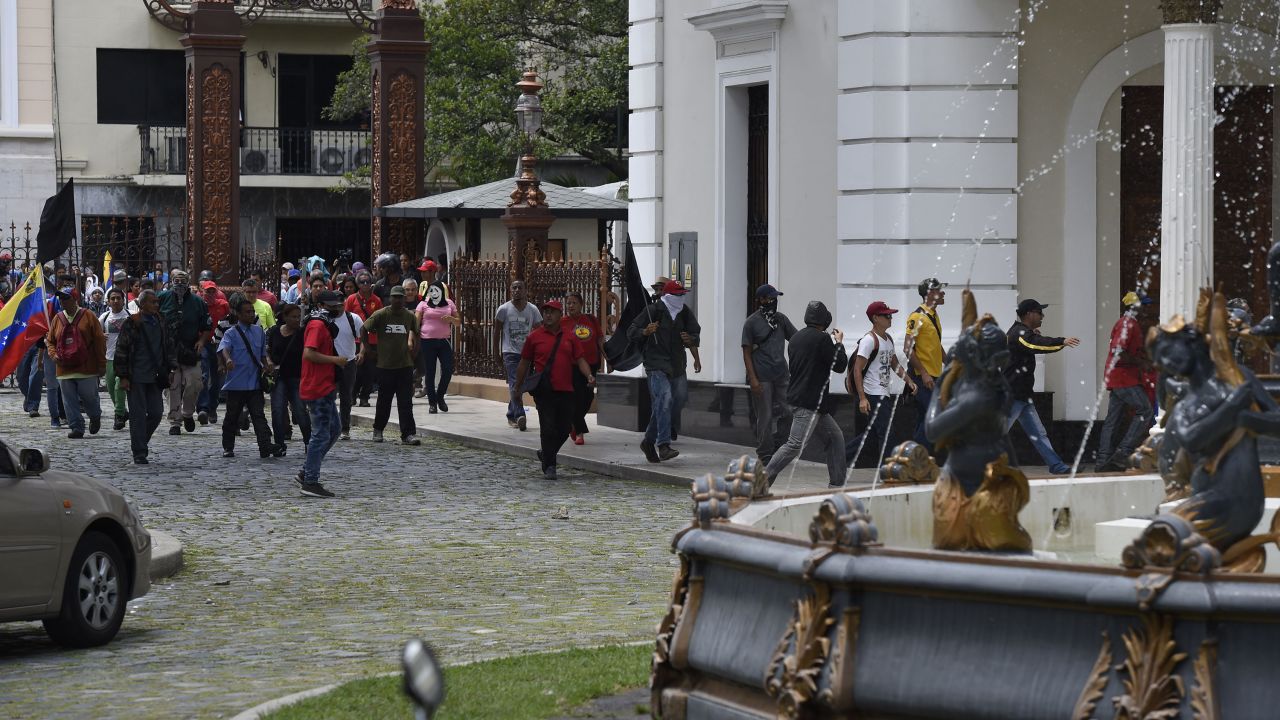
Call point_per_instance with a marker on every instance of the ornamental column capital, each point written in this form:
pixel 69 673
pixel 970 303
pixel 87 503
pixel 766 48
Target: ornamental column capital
pixel 1184 12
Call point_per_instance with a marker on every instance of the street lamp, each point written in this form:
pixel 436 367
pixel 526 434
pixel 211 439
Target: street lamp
pixel 529 107
pixel 527 218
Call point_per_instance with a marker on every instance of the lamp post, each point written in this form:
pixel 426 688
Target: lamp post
pixel 527 218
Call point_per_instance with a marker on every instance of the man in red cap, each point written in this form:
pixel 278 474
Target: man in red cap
pixel 666 328
pixel 554 357
pixel 869 381
pixel 219 309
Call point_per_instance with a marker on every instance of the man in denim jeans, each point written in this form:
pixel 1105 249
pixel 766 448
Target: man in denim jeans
pixel 517 318
pixel 321 368
pixel 666 328
pixel 1025 342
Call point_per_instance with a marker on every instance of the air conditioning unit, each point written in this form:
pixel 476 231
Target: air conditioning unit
pixel 358 156
pixel 329 160
pixel 255 161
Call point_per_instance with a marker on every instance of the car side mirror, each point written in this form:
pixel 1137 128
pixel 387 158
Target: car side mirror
pixel 33 461
pixel 423 680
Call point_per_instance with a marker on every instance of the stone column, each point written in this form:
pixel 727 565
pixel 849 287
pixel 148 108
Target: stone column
pixel 398 56
pixel 1186 220
pixel 213 43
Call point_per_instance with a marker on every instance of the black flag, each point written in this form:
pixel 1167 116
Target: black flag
pixel 623 354
pixel 57 225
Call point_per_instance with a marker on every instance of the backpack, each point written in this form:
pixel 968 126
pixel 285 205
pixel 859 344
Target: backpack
pixel 875 350
pixel 72 350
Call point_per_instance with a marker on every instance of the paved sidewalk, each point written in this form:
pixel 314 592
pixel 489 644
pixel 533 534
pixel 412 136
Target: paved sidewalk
pixel 482 424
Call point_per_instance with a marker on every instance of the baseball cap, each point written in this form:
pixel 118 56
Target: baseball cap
pixel 767 290
pixel 287 266
pixel 6 255
pixel 397 290
pixel 928 284
pixel 428 266
pixel 659 283
pixel 206 284
pixel 553 304
pixel 1030 305
pixel 879 307
pixel 178 274
pixel 1132 298
pixel 120 275
pixel 357 267
pixel 329 297
pixel 673 287
pixel 294 273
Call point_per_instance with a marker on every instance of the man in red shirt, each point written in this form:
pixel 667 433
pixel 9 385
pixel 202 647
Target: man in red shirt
pixel 551 352
pixel 219 308
pixel 363 303
pixel 318 389
pixel 1125 364
pixel 586 332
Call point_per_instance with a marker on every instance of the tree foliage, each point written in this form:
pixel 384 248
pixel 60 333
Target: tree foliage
pixel 479 48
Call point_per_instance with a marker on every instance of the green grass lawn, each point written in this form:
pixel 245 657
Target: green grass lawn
pixel 526 687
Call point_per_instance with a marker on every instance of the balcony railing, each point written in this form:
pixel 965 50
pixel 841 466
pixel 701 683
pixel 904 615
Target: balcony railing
pixel 263 151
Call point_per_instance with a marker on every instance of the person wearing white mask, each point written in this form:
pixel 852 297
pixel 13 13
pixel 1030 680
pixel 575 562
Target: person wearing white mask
pixel 666 328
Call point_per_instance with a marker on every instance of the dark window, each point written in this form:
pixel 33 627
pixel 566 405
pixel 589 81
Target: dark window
pixel 306 87
pixel 141 87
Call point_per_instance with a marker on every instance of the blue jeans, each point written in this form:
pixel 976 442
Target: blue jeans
pixel 80 392
pixel 23 378
pixel 1024 413
pixel 208 399
pixel 515 406
pixel 667 396
pixel 41 368
pixel 325 428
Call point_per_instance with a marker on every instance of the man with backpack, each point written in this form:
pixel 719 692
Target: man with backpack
pixel 79 351
pixel 764 340
pixel 321 369
pixel 868 380
pixel 187 319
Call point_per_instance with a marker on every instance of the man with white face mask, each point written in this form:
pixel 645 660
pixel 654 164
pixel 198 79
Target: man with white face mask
pixel 666 328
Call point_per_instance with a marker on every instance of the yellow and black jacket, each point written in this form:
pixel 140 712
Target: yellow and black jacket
pixel 1024 345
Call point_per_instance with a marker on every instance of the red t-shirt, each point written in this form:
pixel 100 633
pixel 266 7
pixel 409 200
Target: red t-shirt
pixel 537 350
pixel 370 306
pixel 218 309
pixel 318 379
pixel 1126 334
pixel 587 333
pixel 268 297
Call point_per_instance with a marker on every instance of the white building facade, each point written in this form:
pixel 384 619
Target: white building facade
pixel 27 168
pixel 977 141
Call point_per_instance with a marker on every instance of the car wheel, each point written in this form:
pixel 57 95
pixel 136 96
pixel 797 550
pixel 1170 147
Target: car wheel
pixel 94 597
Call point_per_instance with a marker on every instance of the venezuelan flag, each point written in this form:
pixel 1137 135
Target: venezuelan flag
pixel 22 322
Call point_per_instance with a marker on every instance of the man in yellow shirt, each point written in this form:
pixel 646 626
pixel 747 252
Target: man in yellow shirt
pixel 924 348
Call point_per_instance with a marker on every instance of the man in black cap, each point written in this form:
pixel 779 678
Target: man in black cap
pixel 1025 342
pixel 764 339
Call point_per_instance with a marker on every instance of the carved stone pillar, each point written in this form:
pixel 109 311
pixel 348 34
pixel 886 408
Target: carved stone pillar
pixel 527 219
pixel 398 56
pixel 213 44
pixel 1186 219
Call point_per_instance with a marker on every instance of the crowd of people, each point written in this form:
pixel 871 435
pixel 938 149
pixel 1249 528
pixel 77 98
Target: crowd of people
pixel 309 347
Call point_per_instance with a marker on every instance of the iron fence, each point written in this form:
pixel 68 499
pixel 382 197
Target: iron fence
pixel 263 150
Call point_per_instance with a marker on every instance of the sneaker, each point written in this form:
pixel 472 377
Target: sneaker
pixel 377 436
pixel 346 435
pixel 511 423
pixel 1063 469
pixel 228 453
pixel 118 424
pixel 444 406
pixel 55 424
pixel 279 451
pixel 189 423
pixel 830 486
pixel 300 478
pixel 203 416
pixel 420 394
pixel 666 452
pixel 364 403
pixel 577 439
pixel 432 410
pixel 411 440
pixel 650 452
pixel 549 472
pixel 34 413
pixel 213 417
pixel 175 430
pixel 75 434
pixel 522 423
pixel 314 489
pixel 141 460
pixel 95 424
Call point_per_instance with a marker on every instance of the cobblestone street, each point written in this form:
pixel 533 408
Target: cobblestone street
pixel 282 593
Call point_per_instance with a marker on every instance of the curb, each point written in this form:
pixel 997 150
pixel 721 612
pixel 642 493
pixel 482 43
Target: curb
pixel 600 467
pixel 166 554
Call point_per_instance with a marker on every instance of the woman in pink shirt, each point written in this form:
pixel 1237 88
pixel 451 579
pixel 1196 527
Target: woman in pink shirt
pixel 437 316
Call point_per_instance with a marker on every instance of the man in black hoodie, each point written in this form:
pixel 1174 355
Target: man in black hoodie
pixel 812 356
pixel 1025 342
pixel 666 328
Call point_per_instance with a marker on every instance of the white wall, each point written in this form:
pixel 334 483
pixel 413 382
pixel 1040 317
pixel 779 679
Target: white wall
pixel 580 234
pixel 26 112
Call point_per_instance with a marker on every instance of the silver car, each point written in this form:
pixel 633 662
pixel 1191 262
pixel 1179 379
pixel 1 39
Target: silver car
pixel 72 551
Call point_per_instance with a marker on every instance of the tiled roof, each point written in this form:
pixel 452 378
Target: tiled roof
pixel 490 200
